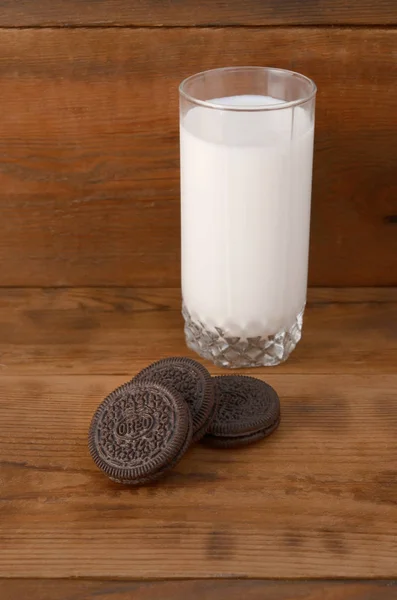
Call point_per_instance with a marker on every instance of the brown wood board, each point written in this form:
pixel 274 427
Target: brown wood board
pixel 316 499
pixel 196 590
pixel 119 331
pixel 192 13
pixel 89 181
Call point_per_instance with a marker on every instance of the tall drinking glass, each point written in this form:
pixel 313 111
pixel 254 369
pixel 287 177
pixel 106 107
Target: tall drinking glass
pixel 246 171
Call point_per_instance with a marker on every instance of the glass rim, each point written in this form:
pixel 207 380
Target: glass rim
pixel 255 108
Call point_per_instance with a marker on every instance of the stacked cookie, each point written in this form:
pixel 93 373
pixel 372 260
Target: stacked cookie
pixel 143 428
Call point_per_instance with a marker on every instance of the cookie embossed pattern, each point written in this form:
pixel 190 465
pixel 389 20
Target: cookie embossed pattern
pixel 143 428
pixel 140 431
pixel 248 411
pixel 192 381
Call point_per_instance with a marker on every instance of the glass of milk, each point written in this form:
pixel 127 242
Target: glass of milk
pixel 246 137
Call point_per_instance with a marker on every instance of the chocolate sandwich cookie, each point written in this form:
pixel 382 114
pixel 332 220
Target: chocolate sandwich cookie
pixel 192 381
pixel 248 410
pixel 140 431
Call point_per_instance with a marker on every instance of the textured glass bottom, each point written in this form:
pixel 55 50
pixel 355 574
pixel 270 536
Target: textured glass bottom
pixel 236 352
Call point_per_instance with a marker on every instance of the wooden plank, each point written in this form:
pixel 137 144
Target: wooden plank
pixel 234 12
pixel 352 295
pixel 89 191
pixel 118 331
pixel 315 500
pixel 196 590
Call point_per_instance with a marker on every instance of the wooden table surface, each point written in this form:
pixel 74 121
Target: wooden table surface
pixel 316 501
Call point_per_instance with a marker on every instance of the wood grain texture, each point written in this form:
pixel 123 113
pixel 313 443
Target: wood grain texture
pixel 119 331
pixel 196 590
pixel 89 188
pixel 316 499
pixel 189 12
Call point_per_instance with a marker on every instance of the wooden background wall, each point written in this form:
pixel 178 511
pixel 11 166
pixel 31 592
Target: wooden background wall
pixel 89 188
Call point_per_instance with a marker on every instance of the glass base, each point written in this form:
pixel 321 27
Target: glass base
pixel 237 352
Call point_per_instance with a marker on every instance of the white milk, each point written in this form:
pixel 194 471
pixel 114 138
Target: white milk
pixel 246 188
